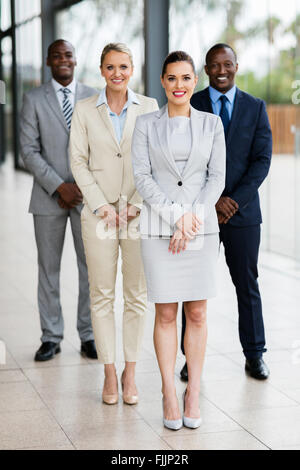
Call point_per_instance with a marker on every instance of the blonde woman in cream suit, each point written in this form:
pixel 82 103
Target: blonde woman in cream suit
pixel 179 167
pixel 100 153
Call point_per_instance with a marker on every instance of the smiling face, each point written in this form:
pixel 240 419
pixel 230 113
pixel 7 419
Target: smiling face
pixel 179 82
pixel 62 61
pixel 221 69
pixel 117 70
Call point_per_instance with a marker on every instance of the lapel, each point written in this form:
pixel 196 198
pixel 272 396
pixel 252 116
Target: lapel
pixel 131 115
pixel 163 133
pixel 195 140
pixel 103 113
pixel 79 92
pixel 54 104
pixel 236 113
pixel 205 101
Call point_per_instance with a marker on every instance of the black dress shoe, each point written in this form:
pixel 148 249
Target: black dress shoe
pixel 184 373
pixel 257 368
pixel 47 351
pixel 89 349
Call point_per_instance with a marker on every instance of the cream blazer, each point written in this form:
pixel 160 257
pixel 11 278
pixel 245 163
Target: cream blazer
pixel 102 166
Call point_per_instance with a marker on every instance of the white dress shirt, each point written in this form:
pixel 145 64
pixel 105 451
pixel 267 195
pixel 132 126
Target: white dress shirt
pixel 59 94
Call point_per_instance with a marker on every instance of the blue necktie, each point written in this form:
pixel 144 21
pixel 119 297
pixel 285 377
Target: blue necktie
pixel 67 107
pixel 224 115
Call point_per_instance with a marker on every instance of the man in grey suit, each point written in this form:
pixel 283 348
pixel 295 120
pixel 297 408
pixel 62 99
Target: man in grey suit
pixel 44 137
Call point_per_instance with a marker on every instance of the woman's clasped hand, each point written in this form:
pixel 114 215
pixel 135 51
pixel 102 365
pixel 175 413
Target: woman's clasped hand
pixel 187 227
pixel 112 218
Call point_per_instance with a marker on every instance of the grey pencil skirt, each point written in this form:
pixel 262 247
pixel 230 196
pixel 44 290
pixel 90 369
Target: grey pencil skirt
pixel 189 275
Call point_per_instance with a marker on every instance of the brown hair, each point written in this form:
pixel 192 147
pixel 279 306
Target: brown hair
pixel 177 56
pixel 118 47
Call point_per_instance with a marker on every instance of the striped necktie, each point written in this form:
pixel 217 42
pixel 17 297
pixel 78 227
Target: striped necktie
pixel 67 107
pixel 224 115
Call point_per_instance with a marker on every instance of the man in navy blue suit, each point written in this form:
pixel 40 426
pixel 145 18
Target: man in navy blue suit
pixel 249 149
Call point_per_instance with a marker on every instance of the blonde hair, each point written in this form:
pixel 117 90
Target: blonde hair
pixel 118 47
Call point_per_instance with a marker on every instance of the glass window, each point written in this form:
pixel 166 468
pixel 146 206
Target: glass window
pixel 196 25
pixel 5 14
pixel 26 9
pixel 6 47
pixel 114 21
pixel 29 56
pixel 281 186
pixel 267 42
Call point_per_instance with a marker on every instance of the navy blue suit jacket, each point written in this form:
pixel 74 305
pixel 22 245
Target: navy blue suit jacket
pixel 248 153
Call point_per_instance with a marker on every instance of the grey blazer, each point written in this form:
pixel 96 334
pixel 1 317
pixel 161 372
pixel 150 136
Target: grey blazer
pixel 167 194
pixel 44 139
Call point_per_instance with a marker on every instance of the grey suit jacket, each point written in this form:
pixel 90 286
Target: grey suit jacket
pixel 167 194
pixel 44 139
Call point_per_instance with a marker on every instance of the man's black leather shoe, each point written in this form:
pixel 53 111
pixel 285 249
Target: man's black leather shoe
pixel 89 349
pixel 257 368
pixel 184 373
pixel 47 351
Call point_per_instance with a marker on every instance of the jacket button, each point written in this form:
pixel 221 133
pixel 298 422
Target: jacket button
pixel 119 155
pixel 179 183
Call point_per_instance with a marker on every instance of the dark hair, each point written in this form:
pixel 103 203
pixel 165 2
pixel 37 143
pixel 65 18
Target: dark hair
pixel 57 41
pixel 177 56
pixel 220 45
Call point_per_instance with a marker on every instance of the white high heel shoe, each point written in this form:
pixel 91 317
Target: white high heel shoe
pixel 192 423
pixel 173 424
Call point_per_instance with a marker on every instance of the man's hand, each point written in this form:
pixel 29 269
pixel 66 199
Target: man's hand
pixel 127 214
pixel 108 215
pixel 226 208
pixel 222 219
pixel 63 204
pixel 70 194
pixel 189 225
pixel 178 242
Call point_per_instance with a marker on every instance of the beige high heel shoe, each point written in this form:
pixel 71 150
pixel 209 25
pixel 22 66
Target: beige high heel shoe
pixel 128 399
pixel 110 399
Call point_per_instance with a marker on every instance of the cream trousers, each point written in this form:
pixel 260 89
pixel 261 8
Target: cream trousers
pixel 102 251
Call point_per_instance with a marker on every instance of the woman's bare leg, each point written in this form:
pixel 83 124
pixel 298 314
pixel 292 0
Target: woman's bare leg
pixel 165 343
pixel 195 339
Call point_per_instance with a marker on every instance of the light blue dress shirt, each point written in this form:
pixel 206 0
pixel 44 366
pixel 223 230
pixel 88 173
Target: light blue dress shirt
pixel 118 121
pixel 216 103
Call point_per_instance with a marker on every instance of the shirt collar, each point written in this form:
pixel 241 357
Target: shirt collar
pixel 58 86
pixel 132 98
pixel 215 94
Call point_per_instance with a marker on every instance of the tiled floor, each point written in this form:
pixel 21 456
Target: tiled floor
pixel 56 405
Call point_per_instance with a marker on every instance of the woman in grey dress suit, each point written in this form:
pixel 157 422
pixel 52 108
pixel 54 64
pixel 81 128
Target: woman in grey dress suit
pixel 179 168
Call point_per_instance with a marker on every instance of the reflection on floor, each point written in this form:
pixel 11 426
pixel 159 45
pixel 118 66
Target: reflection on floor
pixel 57 405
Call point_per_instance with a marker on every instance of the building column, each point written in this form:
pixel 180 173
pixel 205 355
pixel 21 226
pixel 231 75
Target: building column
pixel 156 46
pixel 48 34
